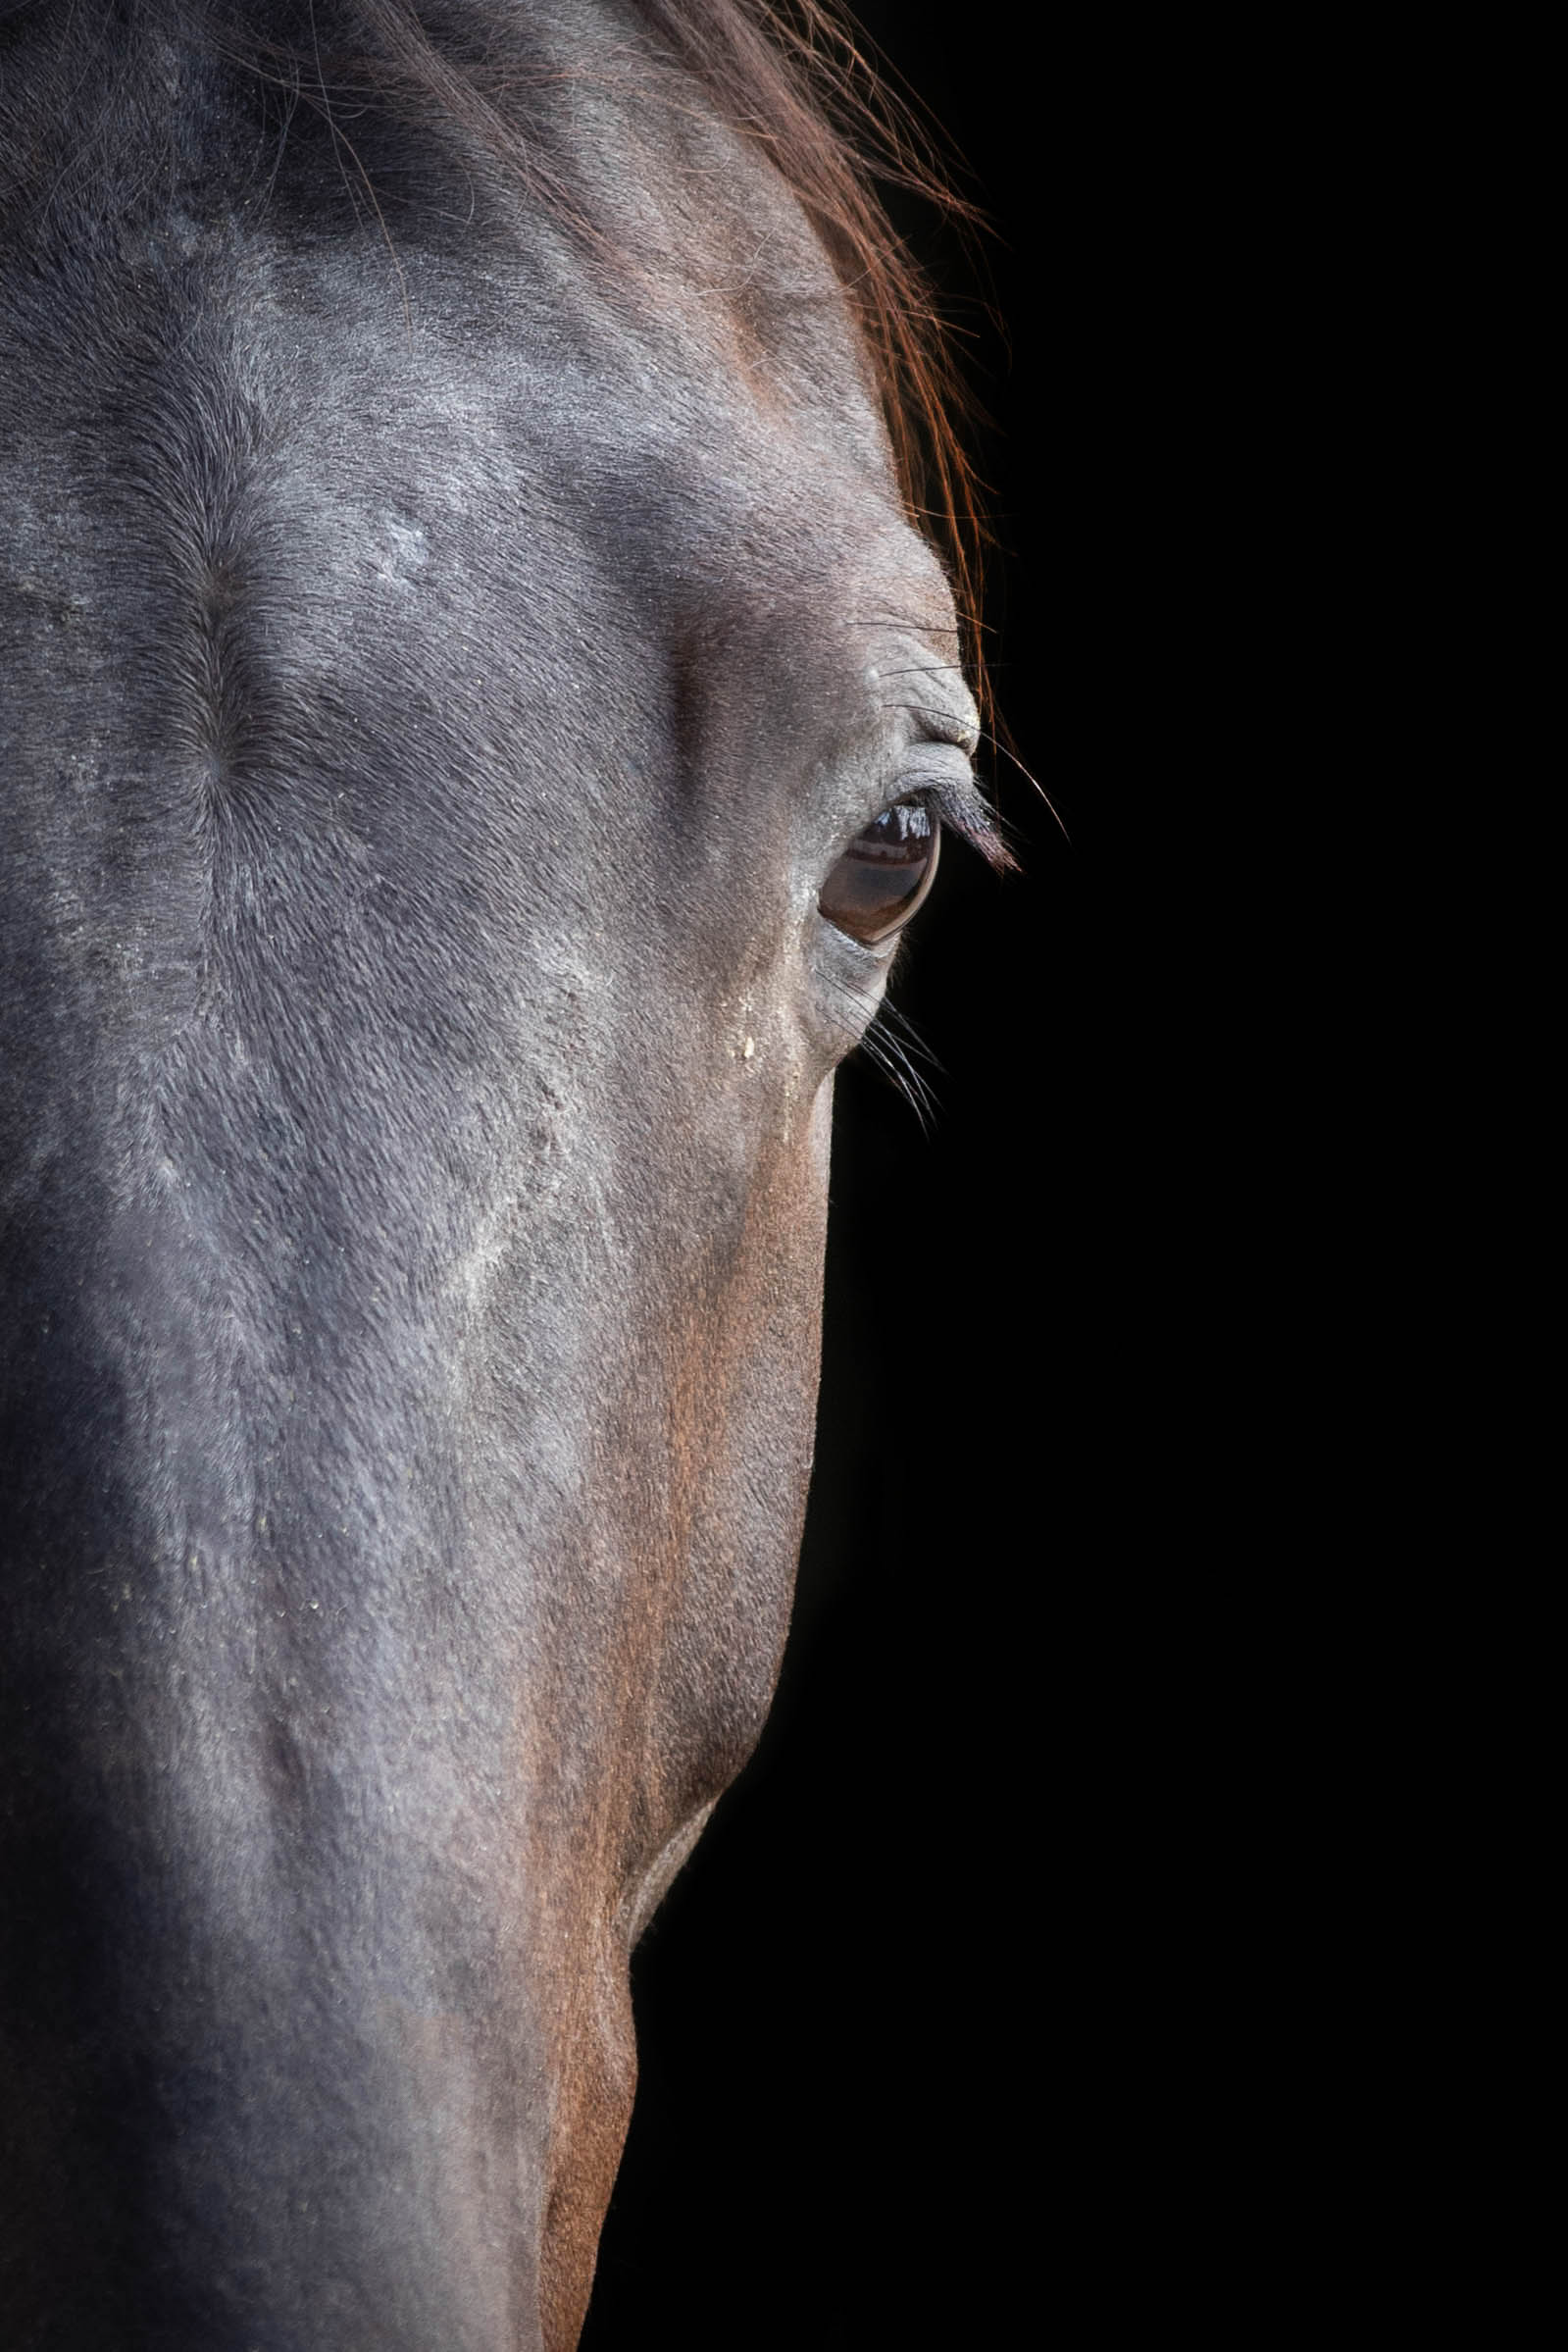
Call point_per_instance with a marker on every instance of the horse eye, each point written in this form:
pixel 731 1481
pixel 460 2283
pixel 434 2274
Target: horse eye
pixel 884 873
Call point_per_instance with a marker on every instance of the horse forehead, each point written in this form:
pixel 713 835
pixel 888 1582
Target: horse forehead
pixel 562 432
pixel 671 410
pixel 544 475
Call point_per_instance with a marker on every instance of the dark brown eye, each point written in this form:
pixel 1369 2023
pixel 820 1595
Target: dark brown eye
pixel 884 873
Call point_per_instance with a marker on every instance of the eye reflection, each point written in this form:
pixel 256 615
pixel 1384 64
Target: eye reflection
pixel 884 873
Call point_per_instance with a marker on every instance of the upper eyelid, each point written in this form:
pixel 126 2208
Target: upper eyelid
pixel 960 730
pixel 945 713
pixel 931 766
pixel 905 784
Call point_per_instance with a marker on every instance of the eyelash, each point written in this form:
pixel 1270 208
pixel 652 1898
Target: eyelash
pixel 891 1044
pixel 894 1048
pixel 965 814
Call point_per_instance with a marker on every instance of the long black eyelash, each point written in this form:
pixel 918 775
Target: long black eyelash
pixel 968 816
pixel 893 1045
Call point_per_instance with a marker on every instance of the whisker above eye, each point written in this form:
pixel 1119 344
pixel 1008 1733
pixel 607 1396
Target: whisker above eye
pixel 922 669
pixel 1003 751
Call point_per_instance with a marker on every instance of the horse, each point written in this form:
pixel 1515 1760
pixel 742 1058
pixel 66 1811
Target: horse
pixel 478 712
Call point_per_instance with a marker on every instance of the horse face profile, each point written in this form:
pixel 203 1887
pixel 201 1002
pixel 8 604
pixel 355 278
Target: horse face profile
pixel 476 715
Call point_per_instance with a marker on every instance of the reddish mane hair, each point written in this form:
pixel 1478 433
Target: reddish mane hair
pixel 795 78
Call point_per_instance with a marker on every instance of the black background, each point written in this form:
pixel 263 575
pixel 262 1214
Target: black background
pixel 885 2057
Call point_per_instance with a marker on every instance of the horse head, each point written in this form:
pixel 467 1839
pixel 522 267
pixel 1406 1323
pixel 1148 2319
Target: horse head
pixel 478 719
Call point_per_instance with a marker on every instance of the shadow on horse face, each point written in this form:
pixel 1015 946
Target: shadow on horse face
pixel 436 698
